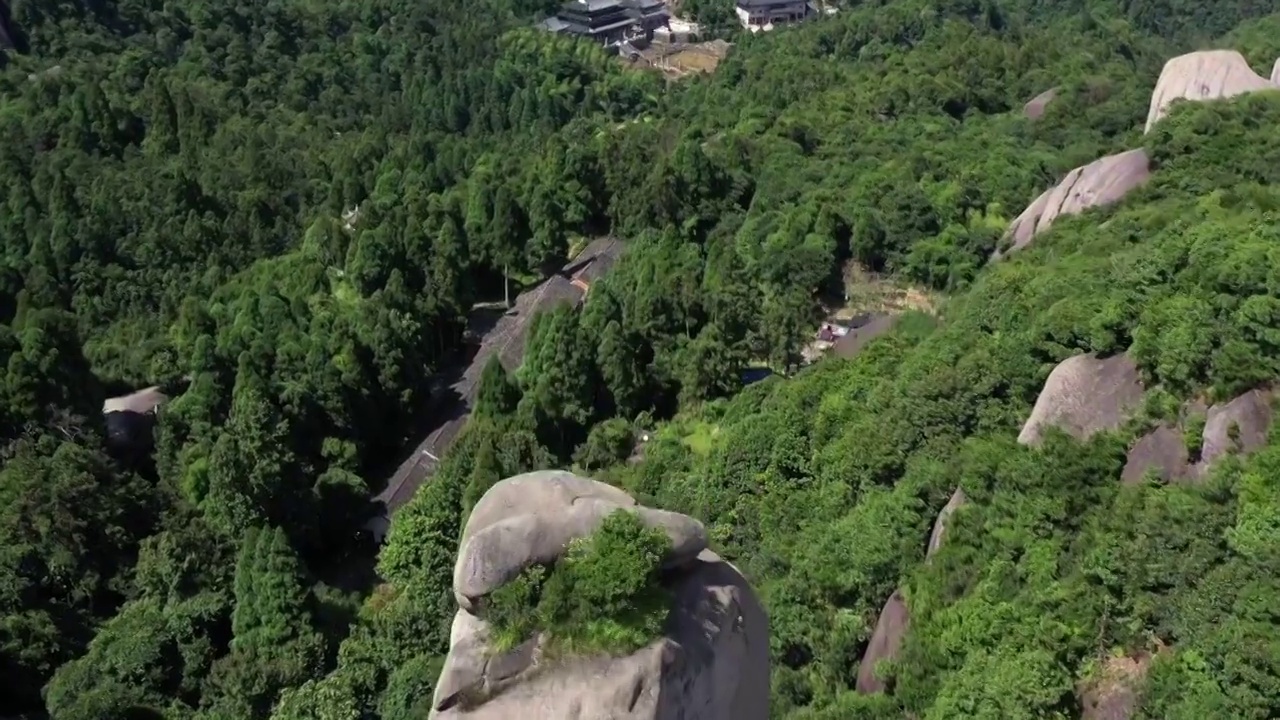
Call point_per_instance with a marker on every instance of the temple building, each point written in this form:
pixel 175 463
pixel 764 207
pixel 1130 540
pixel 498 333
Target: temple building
pixel 757 15
pixel 609 22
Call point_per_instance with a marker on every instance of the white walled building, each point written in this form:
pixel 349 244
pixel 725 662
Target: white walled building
pixel 757 15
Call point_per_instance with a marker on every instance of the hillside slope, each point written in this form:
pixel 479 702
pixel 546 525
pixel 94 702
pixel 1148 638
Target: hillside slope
pixel 284 214
pixel 824 487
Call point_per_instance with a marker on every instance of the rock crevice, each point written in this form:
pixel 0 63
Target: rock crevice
pixel 1101 182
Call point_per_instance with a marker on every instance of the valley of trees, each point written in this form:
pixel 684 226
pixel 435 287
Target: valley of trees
pixel 283 212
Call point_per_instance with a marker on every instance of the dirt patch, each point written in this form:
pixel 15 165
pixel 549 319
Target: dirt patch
pixel 869 292
pixel 678 60
pixel 1113 693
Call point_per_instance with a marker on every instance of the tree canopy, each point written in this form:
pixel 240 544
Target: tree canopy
pixel 284 213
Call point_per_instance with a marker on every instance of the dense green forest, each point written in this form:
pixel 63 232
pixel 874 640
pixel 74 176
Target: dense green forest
pixel 283 213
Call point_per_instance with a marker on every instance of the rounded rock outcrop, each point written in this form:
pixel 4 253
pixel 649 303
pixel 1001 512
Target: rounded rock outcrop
pixel 1084 395
pixel 886 641
pixel 1239 426
pixel 1161 452
pixel 711 663
pixel 895 617
pixel 529 520
pixel 957 501
pixel 1035 108
pixel 1203 75
pixel 1101 182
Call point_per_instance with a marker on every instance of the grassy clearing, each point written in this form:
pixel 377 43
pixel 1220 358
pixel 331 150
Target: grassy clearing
pixel 699 437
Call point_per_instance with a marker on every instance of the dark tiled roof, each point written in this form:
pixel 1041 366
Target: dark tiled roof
pixel 507 339
pixel 857 338
pixel 763 4
pixel 555 290
pixel 595 260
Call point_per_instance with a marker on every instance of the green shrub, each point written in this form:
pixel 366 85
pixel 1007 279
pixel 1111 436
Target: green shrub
pixel 1193 435
pixel 607 444
pixel 603 596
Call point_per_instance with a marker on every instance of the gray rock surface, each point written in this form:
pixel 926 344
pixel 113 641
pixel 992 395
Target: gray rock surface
pixel 711 664
pixel 895 618
pixel 1239 426
pixel 1101 182
pixel 957 501
pixel 1085 395
pixel 530 519
pixel 1034 109
pixel 886 641
pixel 1203 75
pixel 1163 451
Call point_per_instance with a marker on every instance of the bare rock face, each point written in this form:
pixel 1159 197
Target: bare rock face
pixel 895 617
pixel 957 501
pixel 1239 426
pixel 1085 395
pixel 1101 182
pixel 1203 75
pixel 1162 450
pixel 885 643
pixel 711 664
pixel 1034 110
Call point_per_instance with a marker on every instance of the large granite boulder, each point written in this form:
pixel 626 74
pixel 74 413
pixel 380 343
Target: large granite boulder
pixel 1101 182
pixel 712 663
pixel 1239 426
pixel 1162 452
pixel 529 520
pixel 1203 75
pixel 1084 395
pixel 895 617
pixel 886 641
pixel 957 501
pixel 1034 109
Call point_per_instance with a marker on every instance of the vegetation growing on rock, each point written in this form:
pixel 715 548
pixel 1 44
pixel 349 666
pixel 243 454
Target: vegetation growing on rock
pixel 605 595
pixel 283 212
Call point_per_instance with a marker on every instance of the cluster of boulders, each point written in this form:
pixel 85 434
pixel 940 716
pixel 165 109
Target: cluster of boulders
pixel 712 663
pixel 1203 75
